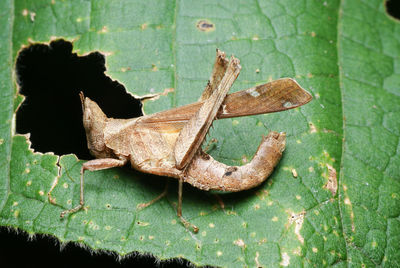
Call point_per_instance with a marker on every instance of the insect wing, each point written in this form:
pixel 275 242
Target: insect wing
pixel 279 95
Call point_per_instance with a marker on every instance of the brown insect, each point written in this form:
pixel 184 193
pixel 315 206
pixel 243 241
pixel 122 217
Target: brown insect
pixel 169 143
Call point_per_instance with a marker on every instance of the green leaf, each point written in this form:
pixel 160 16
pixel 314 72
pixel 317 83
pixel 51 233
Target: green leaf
pixel 347 54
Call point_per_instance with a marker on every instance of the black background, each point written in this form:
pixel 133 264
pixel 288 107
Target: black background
pixel 18 250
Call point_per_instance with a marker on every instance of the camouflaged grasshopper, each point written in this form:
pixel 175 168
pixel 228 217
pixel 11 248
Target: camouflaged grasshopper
pixel 169 143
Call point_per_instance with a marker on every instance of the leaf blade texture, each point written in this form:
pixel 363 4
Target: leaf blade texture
pixel 333 199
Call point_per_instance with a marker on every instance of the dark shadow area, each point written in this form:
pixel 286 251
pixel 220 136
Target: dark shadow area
pixel 16 251
pixel 51 77
pixel 393 8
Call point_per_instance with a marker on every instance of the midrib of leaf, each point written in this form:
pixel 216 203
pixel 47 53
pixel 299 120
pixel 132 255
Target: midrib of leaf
pixel 340 76
pixel 353 243
pixel 340 199
pixel 174 33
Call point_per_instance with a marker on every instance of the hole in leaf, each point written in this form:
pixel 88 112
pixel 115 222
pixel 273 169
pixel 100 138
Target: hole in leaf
pixel 393 8
pixel 51 77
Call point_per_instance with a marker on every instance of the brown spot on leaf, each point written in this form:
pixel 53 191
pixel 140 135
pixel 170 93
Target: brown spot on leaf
pixel 294 173
pixel 313 129
pixel 298 219
pixel 285 259
pixel 205 26
pixel 331 185
pixel 240 243
pixel 103 30
pixel 256 259
pixel 32 16
pixel 166 91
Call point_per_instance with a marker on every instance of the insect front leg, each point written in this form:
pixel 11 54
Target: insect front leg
pixel 193 133
pixel 218 72
pixel 93 165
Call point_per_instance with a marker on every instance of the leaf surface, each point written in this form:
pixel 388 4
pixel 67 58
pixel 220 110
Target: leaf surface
pixel 341 209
